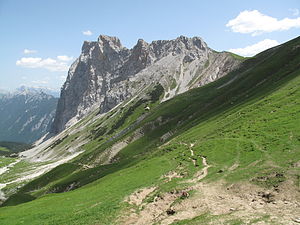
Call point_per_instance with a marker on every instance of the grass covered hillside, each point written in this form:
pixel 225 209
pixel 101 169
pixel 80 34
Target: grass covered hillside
pixel 7 148
pixel 225 153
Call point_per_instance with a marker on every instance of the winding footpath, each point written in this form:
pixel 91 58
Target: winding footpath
pixel 204 171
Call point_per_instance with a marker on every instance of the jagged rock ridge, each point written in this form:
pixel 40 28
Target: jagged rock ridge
pixel 106 73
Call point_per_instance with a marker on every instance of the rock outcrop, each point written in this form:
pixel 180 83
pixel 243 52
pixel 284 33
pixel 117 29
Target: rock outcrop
pixel 106 73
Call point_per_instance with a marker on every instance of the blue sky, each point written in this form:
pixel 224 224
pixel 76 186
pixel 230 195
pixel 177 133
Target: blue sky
pixel 40 39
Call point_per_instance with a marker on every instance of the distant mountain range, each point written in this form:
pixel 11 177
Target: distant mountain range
pixel 50 91
pixel 3 92
pixel 26 114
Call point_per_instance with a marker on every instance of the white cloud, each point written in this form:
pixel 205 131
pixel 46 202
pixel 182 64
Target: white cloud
pixel 28 51
pixel 62 77
pixel 29 62
pixel 44 80
pixel 59 64
pixel 87 33
pixel 255 23
pixel 295 12
pixel 64 58
pixel 252 50
pixel 39 82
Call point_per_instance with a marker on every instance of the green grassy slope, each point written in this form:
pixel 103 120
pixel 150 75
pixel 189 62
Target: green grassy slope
pixel 248 120
pixel 7 148
pixel 74 174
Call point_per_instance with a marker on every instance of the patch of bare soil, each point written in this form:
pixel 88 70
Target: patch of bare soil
pixel 137 197
pixel 201 173
pixel 169 176
pixel 243 201
pixel 239 201
pixel 152 212
pixel 162 206
pixel 233 167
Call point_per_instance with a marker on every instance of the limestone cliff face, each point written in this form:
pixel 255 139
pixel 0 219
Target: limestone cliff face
pixel 106 73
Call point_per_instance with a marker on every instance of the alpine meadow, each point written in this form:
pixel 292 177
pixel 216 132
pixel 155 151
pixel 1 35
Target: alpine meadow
pixel 165 132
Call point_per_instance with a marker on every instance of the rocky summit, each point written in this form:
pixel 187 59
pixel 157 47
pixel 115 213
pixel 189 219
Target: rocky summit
pixel 106 73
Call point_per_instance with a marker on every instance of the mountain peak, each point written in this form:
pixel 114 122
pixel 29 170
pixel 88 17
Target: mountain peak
pixel 109 40
pixel 26 90
pixel 182 38
pixel 192 42
pixel 106 73
pixel 141 42
pixel 140 46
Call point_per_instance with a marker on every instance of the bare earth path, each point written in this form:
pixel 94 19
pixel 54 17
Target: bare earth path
pixel 240 201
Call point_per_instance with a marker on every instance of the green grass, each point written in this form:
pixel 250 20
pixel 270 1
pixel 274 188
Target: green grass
pixel 206 64
pixel 254 133
pixel 3 149
pixel 173 84
pixel 248 129
pixel 92 204
pixel 7 148
pixel 55 174
pixel 238 56
pixel 4 161
pixel 62 178
pixel 15 171
pixel 18 199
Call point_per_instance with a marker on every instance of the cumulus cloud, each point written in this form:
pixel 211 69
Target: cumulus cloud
pixel 295 12
pixel 58 64
pixel 252 50
pixel 87 33
pixel 28 51
pixel 62 77
pixel 64 58
pixel 255 23
pixel 39 82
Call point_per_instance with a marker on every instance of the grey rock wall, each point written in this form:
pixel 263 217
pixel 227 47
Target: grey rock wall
pixel 106 73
